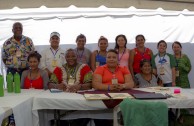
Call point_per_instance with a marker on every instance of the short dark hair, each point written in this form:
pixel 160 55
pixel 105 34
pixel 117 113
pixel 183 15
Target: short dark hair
pixel 80 36
pixel 143 62
pixel 17 23
pixel 116 39
pixel 112 50
pixel 34 54
pixel 178 43
pixel 161 41
pixel 70 50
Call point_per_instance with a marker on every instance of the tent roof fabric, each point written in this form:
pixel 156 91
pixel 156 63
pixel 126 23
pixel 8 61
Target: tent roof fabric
pixel 72 12
pixel 140 4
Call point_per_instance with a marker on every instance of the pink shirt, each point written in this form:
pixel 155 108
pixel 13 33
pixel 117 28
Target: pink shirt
pixel 123 58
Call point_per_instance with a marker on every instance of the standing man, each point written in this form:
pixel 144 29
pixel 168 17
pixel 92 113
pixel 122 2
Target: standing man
pixel 53 57
pixel 15 53
pixel 16 50
pixel 83 54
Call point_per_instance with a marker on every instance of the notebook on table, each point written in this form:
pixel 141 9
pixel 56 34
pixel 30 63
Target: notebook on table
pixel 149 96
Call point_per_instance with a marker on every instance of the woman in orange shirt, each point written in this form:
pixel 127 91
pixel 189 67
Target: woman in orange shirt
pixel 111 76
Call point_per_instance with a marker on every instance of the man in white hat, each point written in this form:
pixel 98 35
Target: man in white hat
pixel 53 56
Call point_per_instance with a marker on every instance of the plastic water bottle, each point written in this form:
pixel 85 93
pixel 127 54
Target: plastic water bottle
pixel 9 79
pixel 17 82
pixel 1 86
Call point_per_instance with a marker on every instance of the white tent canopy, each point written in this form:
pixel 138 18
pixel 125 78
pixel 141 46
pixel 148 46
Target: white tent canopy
pixel 155 25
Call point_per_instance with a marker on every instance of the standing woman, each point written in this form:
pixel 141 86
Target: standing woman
pixel 123 52
pixel 163 65
pixel 98 58
pixel 138 54
pixel 183 66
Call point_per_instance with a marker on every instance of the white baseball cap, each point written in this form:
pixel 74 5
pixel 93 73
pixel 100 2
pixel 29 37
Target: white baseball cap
pixel 55 34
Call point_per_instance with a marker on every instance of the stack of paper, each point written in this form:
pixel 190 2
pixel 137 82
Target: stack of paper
pixel 120 95
pixel 96 97
pixel 105 97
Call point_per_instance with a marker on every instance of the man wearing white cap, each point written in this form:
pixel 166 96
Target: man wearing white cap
pixel 52 57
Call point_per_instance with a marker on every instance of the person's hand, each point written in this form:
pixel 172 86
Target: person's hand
pixel 114 87
pixel 121 87
pixel 61 86
pixel 73 88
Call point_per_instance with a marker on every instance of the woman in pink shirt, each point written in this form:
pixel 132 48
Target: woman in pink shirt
pixel 123 52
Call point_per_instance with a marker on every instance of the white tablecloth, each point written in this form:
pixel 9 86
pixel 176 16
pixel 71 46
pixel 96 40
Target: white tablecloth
pixel 63 101
pixel 183 100
pixel 1 114
pixel 21 105
pixel 73 101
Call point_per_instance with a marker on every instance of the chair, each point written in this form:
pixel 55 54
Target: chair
pixel 141 113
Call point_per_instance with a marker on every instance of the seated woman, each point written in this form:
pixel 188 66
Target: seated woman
pixel 75 76
pixel 34 77
pixel 111 76
pixel 145 78
pixel 98 57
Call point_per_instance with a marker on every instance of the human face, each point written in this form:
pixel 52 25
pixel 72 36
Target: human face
pixel 103 44
pixel 71 58
pixel 162 47
pixel 54 41
pixel 140 41
pixel 121 42
pixel 176 48
pixel 111 59
pixel 17 30
pixel 33 63
pixel 146 68
pixel 81 43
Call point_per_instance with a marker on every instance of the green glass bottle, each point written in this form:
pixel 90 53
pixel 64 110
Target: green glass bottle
pixel 9 79
pixel 17 83
pixel 1 86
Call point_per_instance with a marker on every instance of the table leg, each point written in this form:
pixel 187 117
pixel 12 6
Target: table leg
pixel 56 117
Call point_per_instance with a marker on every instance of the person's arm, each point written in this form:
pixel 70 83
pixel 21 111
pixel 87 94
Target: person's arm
pixel 129 83
pixel 185 64
pixel 151 53
pixel 93 61
pixel 98 85
pixel 173 77
pixel 43 62
pixel 131 60
pixel 24 75
pixel 154 69
pixel 4 54
pixel 31 45
pixel 173 65
pixel 128 80
pixel 45 79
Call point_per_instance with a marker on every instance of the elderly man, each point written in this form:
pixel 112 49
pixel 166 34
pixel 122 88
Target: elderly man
pixel 15 53
pixel 16 50
pixel 53 57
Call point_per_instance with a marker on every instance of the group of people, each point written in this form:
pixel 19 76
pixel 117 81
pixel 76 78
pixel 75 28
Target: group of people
pixel 80 69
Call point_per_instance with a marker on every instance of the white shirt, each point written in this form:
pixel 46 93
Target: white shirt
pixel 49 55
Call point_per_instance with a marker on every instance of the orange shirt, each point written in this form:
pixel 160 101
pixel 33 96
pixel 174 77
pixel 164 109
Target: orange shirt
pixel 107 75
